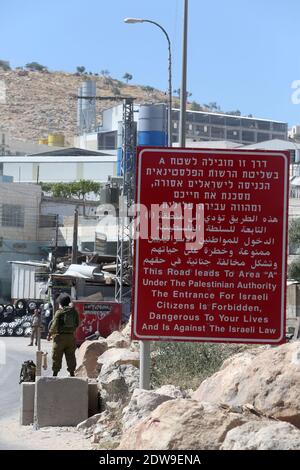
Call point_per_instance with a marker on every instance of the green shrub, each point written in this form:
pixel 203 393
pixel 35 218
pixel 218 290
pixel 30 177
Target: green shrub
pixel 186 365
pixel 294 271
pixel 4 65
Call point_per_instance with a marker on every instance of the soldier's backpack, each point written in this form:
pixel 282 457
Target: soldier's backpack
pixel 68 321
pixel 28 371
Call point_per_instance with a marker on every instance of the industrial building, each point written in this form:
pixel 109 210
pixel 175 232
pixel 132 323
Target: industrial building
pixel 151 122
pixel 51 167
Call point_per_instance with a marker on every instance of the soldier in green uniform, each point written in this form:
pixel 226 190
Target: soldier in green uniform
pixel 62 330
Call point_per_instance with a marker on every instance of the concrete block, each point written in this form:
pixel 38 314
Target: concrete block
pixel 27 403
pixel 61 401
pixel 94 398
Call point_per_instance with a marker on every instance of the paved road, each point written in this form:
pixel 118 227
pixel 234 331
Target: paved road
pixel 16 352
pixel 13 436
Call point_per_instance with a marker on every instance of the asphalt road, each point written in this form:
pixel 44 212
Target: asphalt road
pixel 13 436
pixel 13 352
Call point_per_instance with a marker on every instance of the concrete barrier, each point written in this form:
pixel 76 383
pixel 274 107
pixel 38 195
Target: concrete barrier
pixel 60 401
pixel 27 403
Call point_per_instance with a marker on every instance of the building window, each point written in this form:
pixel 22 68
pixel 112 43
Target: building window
pixel 12 215
pixel 278 136
pixel 279 127
pixel 249 123
pixel 261 137
pixel 218 120
pixel 205 118
pixel 264 125
pixel 201 130
pixel 217 132
pixel 248 136
pixel 233 135
pixel 175 115
pixel 233 122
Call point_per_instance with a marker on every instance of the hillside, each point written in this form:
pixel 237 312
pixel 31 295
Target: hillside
pixel 39 101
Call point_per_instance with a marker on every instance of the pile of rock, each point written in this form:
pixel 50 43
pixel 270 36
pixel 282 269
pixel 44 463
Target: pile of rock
pixel 250 403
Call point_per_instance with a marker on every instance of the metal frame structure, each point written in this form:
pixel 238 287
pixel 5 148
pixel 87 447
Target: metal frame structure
pixel 124 269
pixel 127 197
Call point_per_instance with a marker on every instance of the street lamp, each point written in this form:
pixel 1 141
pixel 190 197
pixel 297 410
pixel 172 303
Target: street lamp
pixel 183 92
pixel 141 20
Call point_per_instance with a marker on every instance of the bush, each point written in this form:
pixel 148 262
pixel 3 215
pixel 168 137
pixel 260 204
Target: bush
pixel 4 65
pixel 148 89
pixel 80 69
pixel 186 365
pixel 294 235
pixel 195 106
pixel 294 271
pixel 116 91
pixel 35 67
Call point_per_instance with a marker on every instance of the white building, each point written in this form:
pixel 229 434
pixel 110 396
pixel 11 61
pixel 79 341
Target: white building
pixel 51 169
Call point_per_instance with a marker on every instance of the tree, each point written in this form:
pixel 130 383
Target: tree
pixel 237 112
pixel 127 77
pixel 213 107
pixel 59 190
pixel 294 271
pixel 116 91
pixel 294 235
pixel 80 189
pixel 148 89
pixel 77 190
pixel 105 73
pixel 178 91
pixel 196 106
pixel 35 67
pixel 80 69
pixel 4 65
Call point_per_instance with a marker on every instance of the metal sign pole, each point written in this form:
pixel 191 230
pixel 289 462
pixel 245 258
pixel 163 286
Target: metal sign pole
pixel 145 362
pixel 39 353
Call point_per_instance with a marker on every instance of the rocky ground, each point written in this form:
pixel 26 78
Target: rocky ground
pixel 35 100
pixel 251 403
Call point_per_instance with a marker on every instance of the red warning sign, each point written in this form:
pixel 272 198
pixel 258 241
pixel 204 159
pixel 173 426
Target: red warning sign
pixel 211 245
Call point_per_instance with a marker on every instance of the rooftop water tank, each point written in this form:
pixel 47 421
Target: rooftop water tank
pixel 56 140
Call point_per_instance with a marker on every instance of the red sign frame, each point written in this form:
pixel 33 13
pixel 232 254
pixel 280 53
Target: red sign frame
pixel 238 298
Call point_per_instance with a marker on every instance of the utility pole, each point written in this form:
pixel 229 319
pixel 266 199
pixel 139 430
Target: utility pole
pixel 75 238
pixel 183 91
pixel 56 241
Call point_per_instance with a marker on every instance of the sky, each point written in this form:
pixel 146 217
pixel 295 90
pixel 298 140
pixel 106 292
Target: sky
pixel 242 54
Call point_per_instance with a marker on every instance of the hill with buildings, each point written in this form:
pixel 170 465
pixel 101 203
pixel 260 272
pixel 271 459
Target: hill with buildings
pixel 41 102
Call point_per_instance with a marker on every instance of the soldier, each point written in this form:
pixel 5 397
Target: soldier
pixel 62 329
pixel 35 325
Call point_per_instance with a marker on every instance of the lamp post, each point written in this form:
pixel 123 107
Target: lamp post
pixel 183 92
pixel 141 20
